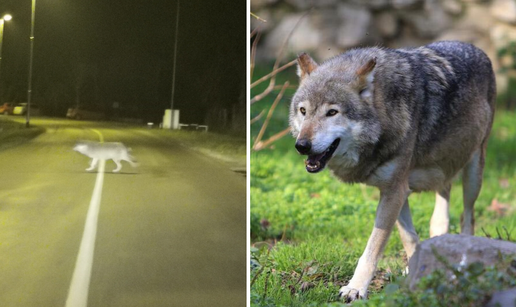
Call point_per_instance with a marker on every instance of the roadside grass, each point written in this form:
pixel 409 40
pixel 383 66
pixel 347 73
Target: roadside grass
pixel 229 148
pixel 308 230
pixel 225 147
pixel 13 133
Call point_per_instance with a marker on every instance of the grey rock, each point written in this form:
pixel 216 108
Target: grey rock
pixel 455 248
pixel 259 4
pixel 354 27
pixel 386 23
pixel 505 298
pixel 429 22
pixel 504 10
pixel 453 7
pixel 477 17
pixel 306 36
pixel 406 4
pixel 307 4
pixel 374 4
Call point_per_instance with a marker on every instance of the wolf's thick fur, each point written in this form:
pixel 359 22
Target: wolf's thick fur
pixel 402 120
pixel 105 151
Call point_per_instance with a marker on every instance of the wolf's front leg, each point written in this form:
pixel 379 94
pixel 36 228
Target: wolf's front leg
pixel 92 164
pixel 387 213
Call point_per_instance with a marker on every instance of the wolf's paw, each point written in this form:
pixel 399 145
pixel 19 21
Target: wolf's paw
pixel 116 170
pixel 349 294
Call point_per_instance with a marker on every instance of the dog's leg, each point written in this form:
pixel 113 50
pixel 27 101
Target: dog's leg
pixel 131 159
pixel 118 166
pixel 471 184
pixel 408 234
pixel 391 202
pixel 440 221
pixel 92 164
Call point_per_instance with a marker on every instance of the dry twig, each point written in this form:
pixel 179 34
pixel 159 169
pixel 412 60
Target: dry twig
pixel 267 119
pixel 259 144
pixel 276 64
pixel 258 17
pixel 273 73
pixel 257 117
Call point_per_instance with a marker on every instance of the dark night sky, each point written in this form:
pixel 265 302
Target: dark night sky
pixel 105 51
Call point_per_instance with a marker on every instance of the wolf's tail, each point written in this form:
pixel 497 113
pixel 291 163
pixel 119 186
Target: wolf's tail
pixel 132 160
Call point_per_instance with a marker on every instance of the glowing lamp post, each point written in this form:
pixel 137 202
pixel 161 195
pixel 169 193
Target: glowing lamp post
pixel 5 18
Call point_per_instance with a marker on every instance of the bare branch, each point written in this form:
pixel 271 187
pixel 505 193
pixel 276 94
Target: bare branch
pixel 290 87
pixel 269 115
pixel 258 17
pixel 267 91
pixel 261 145
pixel 257 118
pixel 278 60
pixel 273 73
pixel 253 52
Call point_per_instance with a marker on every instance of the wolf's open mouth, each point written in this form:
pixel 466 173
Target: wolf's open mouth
pixel 316 163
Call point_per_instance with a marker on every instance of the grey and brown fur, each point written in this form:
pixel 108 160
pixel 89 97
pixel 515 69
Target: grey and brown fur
pixel 405 120
pixel 105 151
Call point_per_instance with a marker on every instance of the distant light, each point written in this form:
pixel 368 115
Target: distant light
pixel 7 17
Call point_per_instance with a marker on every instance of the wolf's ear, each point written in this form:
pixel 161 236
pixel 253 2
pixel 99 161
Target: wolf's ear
pixel 366 76
pixel 305 65
pixel 367 68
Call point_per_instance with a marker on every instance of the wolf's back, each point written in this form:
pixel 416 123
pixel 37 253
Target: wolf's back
pixel 468 95
pixel 470 64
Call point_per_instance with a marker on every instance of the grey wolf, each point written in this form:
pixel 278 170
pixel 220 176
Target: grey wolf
pixel 402 120
pixel 105 151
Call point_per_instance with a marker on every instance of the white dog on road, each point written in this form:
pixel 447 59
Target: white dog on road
pixel 105 151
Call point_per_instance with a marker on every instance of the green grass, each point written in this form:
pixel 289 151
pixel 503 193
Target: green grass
pixel 14 133
pixel 308 230
pixel 229 148
pixel 226 147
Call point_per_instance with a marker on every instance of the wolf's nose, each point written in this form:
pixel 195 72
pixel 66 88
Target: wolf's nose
pixel 303 146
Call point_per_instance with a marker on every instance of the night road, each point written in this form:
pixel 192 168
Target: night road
pixel 171 232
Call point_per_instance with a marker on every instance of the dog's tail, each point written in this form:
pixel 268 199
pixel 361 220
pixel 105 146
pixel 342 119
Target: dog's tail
pixel 132 160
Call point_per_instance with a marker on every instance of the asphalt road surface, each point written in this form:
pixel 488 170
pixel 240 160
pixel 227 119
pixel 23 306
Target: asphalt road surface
pixel 171 232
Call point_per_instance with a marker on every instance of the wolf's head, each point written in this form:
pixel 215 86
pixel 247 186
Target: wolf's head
pixel 81 147
pixel 332 113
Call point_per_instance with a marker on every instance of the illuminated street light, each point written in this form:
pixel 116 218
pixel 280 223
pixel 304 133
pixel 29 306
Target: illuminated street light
pixel 5 18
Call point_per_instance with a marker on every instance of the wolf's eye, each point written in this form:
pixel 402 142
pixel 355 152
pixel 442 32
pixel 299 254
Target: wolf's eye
pixel 302 110
pixel 332 112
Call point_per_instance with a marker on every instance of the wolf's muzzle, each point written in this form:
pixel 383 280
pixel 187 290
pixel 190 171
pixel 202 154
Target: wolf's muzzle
pixel 303 146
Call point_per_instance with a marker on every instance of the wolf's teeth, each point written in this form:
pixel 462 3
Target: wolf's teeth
pixel 312 166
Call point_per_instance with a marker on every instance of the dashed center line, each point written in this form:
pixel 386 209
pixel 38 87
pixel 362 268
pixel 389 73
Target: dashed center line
pixel 79 287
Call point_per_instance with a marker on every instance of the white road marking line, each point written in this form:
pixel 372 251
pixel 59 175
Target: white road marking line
pixel 78 292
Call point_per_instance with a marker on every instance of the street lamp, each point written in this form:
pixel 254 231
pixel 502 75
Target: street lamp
pixel 6 17
pixel 174 69
pixel 29 90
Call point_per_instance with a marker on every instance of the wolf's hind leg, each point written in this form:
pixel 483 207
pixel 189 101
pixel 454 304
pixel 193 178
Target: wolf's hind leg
pixel 408 234
pixel 118 166
pixel 92 164
pixel 440 221
pixel 471 184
